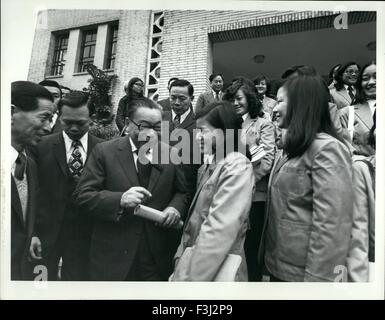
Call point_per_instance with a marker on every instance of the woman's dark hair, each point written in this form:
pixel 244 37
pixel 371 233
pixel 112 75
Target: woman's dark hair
pixel 339 82
pixel 254 105
pixel 331 73
pixel 221 115
pixel 372 137
pixel 307 113
pixel 131 94
pixel 361 97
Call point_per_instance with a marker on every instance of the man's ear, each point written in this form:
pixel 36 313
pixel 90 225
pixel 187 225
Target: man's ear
pixel 13 109
pixel 192 98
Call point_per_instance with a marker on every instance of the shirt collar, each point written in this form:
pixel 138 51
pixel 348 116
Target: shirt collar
pixel 346 87
pixel 371 104
pixel 245 116
pixel 15 154
pixel 208 158
pixel 182 116
pixel 68 141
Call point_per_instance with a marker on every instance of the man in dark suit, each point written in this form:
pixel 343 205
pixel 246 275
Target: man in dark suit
pixel 55 89
pixel 181 118
pixel 213 95
pixel 165 103
pixel 121 174
pixel 31 111
pixel 60 231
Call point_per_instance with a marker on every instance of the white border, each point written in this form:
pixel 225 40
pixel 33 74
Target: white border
pixel 18 20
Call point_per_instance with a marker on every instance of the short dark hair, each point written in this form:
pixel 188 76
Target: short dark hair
pixel 307 113
pixel 25 95
pixel 339 82
pixel 135 104
pixel 301 70
pixel 171 80
pixel 66 88
pixel 255 107
pixel 221 115
pixel 257 80
pixel 51 83
pixel 214 75
pixel 77 99
pixel 360 97
pixel 183 83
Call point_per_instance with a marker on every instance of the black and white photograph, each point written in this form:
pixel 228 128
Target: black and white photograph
pixel 208 150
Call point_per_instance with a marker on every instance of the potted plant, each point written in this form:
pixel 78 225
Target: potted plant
pixel 99 89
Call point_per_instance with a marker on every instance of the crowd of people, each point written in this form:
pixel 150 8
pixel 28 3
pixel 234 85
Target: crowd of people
pixel 253 183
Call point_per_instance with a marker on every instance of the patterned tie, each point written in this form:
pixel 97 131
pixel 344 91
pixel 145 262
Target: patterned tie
pixel 75 162
pixel 177 121
pixel 21 162
pixel 351 93
pixel 217 96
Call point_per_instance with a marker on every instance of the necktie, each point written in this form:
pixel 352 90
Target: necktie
pixel 177 121
pixel 75 162
pixel 217 96
pixel 21 162
pixel 351 93
pixel 144 171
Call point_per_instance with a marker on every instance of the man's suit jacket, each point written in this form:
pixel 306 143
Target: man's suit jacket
pixel 218 220
pixel 206 98
pixel 340 97
pixel 21 232
pixel 190 169
pixel 363 122
pixel 56 188
pixel 165 103
pixel 57 127
pixel 110 171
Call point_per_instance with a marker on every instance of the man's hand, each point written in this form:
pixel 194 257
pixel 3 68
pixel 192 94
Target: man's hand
pixel 134 196
pixel 35 248
pixel 172 217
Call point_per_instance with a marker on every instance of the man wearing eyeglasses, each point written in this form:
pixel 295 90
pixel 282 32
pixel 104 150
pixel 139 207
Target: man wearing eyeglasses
pixel 120 175
pixel 61 231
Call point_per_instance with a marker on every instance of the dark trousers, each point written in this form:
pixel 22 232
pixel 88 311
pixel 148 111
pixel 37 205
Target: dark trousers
pixel 144 267
pixel 253 240
pixel 72 246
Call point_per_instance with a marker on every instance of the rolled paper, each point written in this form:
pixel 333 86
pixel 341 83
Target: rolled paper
pixel 153 215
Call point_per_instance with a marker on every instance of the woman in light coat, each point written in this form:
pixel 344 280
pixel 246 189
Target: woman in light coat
pixel 357 119
pixel 259 134
pixel 219 211
pixel 361 253
pixel 309 207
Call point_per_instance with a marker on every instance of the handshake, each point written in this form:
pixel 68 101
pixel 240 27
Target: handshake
pixel 135 197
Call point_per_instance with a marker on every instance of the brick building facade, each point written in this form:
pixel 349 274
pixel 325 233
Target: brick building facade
pixel 157 45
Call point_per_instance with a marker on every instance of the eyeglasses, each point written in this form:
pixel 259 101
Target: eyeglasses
pixel 147 126
pixel 139 84
pixel 351 72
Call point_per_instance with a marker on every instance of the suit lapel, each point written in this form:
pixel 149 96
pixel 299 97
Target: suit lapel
pixel 15 201
pixel 188 121
pixel 32 192
pixel 344 94
pixel 126 159
pixel 60 154
pixel 363 113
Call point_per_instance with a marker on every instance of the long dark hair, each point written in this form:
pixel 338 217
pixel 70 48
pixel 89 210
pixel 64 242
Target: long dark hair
pixel 361 97
pixel 372 137
pixel 131 94
pixel 254 105
pixel 257 80
pixel 339 82
pixel 307 113
pixel 221 115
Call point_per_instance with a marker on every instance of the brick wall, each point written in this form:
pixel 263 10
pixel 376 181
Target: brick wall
pixel 131 52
